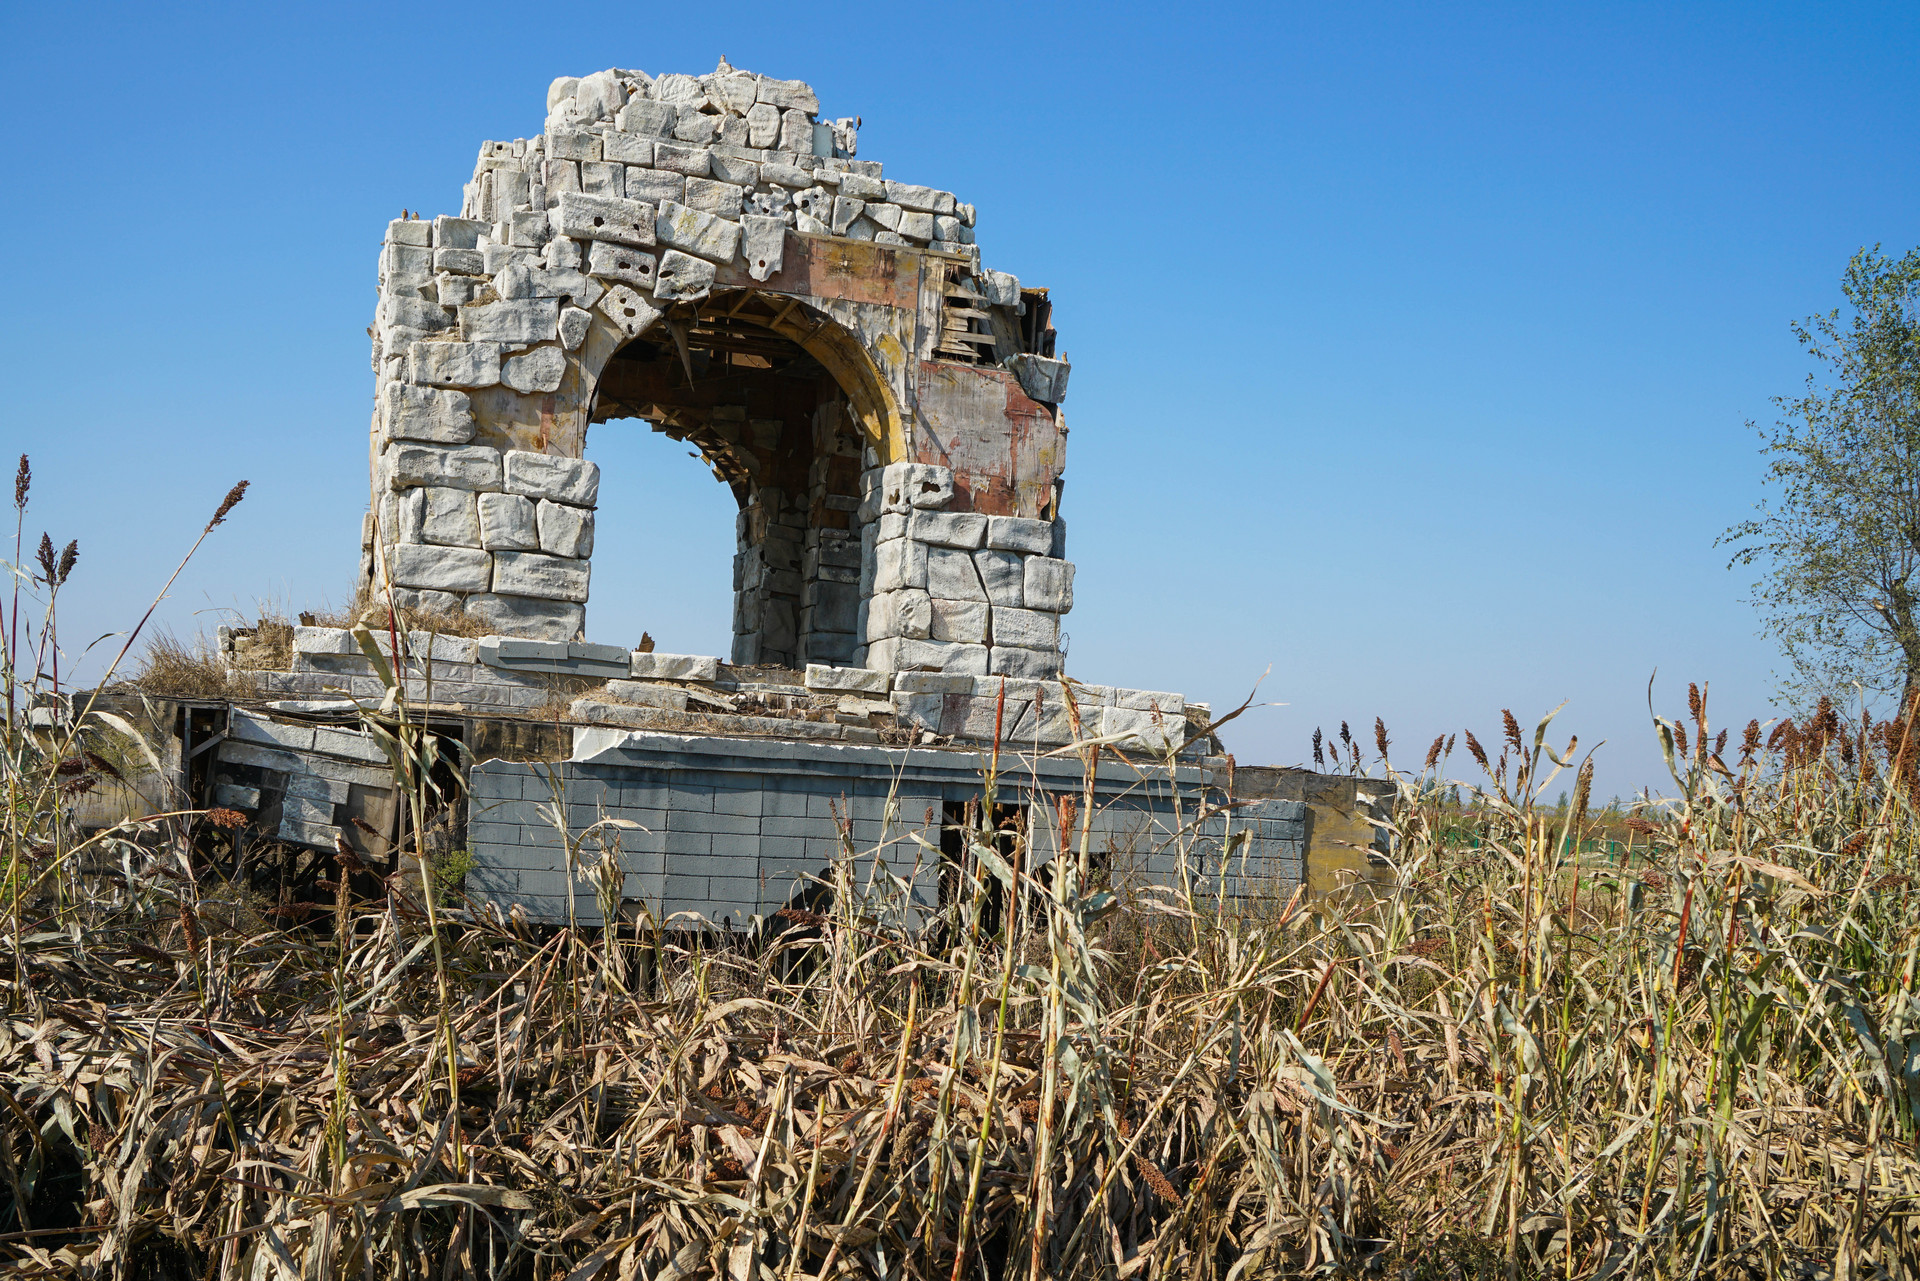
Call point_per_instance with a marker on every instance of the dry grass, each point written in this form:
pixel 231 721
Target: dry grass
pixel 1693 1066
pixel 174 668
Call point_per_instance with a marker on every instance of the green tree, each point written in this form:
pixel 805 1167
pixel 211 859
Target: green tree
pixel 1837 540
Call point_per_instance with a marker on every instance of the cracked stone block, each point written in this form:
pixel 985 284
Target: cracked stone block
pixel 450 518
pixel 630 313
pixel 527 616
pixel 463 467
pixel 816 203
pixel 697 233
pixel 565 480
pixel 845 211
pixel 961 621
pixel 631 222
pixel 1017 534
pixel 409 514
pixel 916 226
pixel 656 186
pixel 898 564
pixel 683 278
pixel 573 144
pixel 898 487
pixel 1049 584
pixel 907 612
pixel 565 530
pixel 517 320
pixel 782 175
pixel 795 94
pixel 623 263
pixel 765 245
pixel 573 326
pixel 696 127
pixel 507 523
pixel 886 215
pixel 1031 664
pixel 539 370
pixel 540 576
pixel 1043 379
pixel 675 667
pixel 1026 628
pixel 468 262
pixel 446 569
pixel 711 196
pixel 422 413
pixel 413 313
pixel 1003 576
pixel 951 574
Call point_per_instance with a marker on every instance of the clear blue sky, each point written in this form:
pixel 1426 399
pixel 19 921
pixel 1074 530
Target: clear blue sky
pixel 1412 344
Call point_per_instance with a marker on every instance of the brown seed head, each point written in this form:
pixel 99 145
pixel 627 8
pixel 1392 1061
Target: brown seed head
pixel 67 559
pixel 1512 728
pixel 1319 754
pixel 1433 753
pixel 226 818
pixel 1680 738
pixel 22 482
pixel 1694 708
pixel 227 504
pixel 45 557
pixel 1479 753
pixel 1380 736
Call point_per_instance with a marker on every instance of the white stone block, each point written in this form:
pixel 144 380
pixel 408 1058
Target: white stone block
pixel 709 195
pixel 539 370
pixel 902 486
pixel 928 656
pixel 949 529
pixel 845 211
pixel 631 222
pixel 507 523
pixel 961 621
pixel 518 320
pixel 905 613
pixel 1032 664
pixel 1002 289
pixel 1026 628
pixel 1049 584
pixel 683 278
pixel 951 574
pixel 1004 577
pixel 733 169
pixel 656 186
pixel 462 467
pixel 670 697
pixel 1143 700
pixel 606 177
pixel 849 680
pixel 450 517
pixel 697 233
pixel 763 125
pixel 649 119
pixel 1144 730
pixel 324 640
pixel 796 132
pixel 675 667
pixel 765 245
pixel 623 263
pixel 409 516
pixel 628 149
pixel 694 162
pixel 454 363
pixel 409 231
pixel 565 530
pixel 567 480
pixel 632 314
pixel 795 94
pixel 422 413
pixel 899 564
pixel 446 569
pixel 573 326
pixel 540 576
pixel 924 199
pixel 527 616
pixel 785 175
pixel 1016 534
pixel 916 226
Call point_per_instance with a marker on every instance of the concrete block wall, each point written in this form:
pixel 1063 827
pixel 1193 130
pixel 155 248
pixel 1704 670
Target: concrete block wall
pixel 730 828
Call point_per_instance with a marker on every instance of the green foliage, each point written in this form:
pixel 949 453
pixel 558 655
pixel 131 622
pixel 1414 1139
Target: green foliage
pixel 450 869
pixel 1838 536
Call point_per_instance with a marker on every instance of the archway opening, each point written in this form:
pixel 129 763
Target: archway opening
pixel 778 430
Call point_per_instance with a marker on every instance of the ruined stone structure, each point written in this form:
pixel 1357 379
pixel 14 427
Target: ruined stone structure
pixel 707 254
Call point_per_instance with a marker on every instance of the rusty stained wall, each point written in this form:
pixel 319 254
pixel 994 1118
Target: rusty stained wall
pixel 1005 450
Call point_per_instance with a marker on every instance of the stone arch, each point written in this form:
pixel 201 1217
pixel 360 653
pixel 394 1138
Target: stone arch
pixel 650 202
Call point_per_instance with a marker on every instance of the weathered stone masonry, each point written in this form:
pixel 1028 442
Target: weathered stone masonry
pixel 705 253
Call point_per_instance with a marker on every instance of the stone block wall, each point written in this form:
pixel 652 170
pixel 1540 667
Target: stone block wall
pixel 648 207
